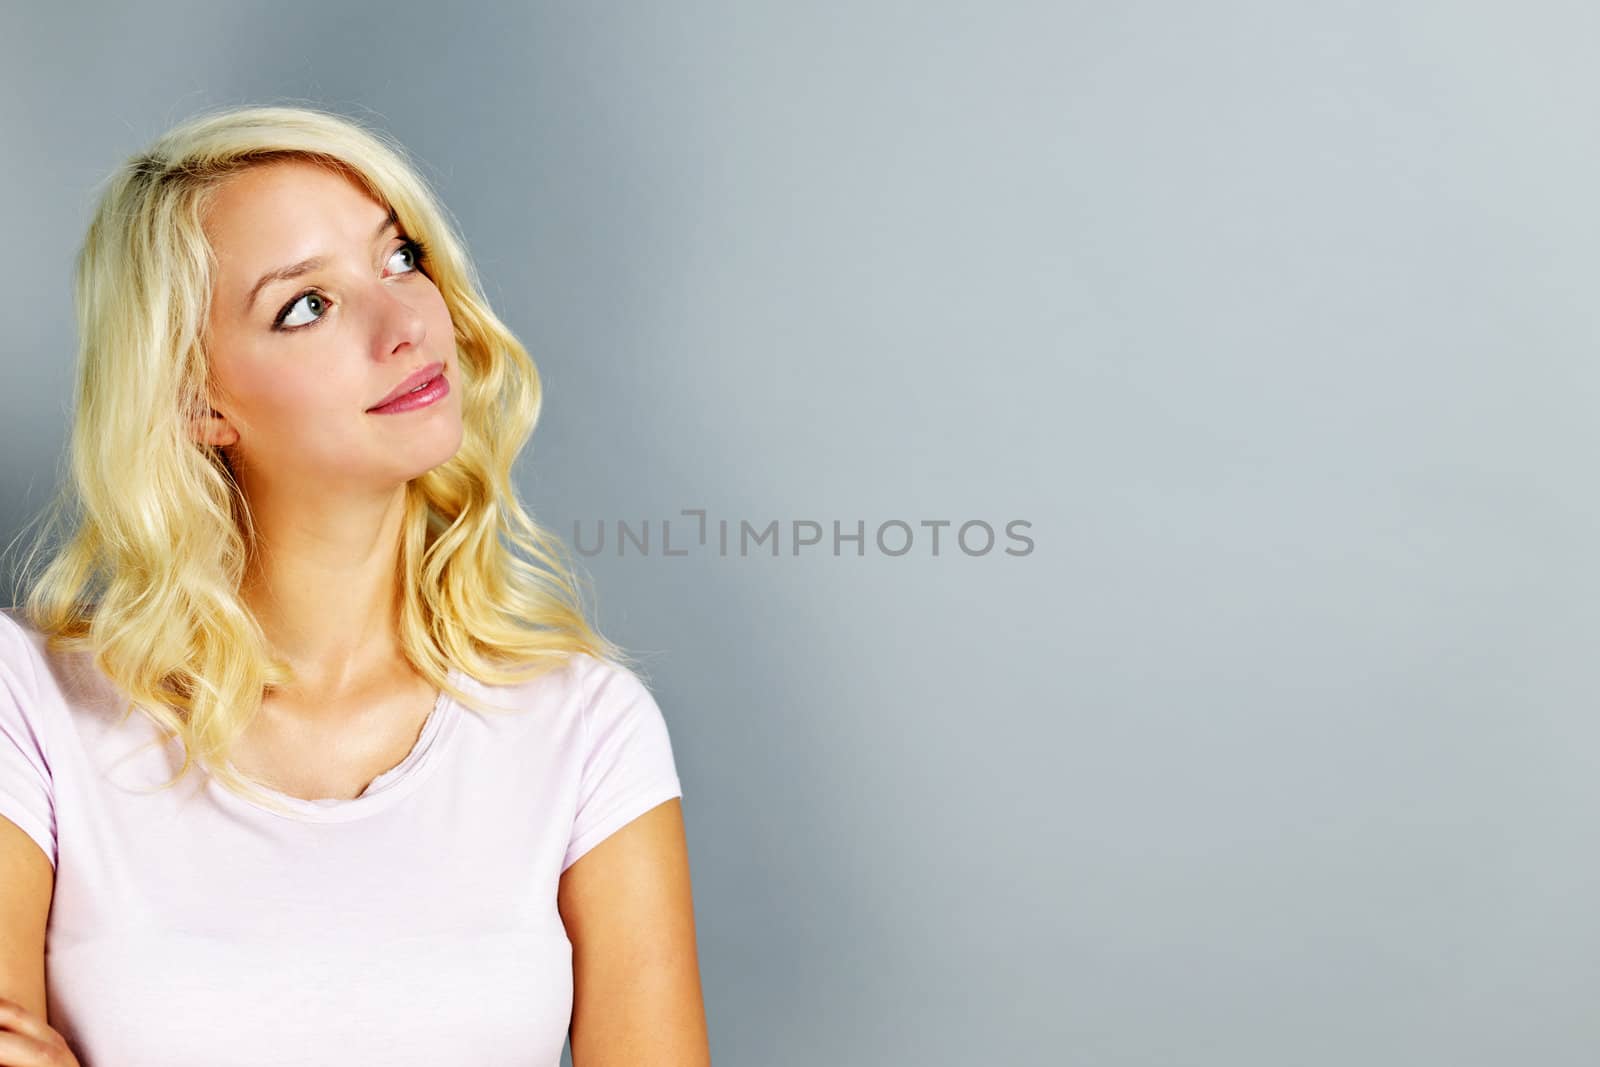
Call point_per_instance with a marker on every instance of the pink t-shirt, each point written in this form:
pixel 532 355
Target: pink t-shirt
pixel 413 924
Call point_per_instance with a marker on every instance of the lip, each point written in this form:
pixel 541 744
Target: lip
pixel 416 378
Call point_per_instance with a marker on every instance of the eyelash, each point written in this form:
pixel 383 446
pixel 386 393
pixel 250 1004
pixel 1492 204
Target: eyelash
pixel 419 258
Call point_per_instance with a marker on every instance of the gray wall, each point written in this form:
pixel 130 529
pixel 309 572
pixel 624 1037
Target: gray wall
pixel 1273 320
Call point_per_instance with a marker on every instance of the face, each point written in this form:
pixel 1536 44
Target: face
pixel 298 363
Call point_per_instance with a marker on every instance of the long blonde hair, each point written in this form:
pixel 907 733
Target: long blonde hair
pixel 148 537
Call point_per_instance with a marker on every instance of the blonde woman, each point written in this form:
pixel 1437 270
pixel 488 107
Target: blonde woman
pixel 308 754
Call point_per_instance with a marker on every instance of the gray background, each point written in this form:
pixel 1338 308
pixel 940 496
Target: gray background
pixel 1274 320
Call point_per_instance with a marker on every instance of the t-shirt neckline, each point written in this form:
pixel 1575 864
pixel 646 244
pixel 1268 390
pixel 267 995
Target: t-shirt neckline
pixel 384 791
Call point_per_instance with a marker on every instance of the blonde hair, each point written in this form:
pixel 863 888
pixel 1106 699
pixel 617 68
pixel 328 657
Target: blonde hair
pixel 154 533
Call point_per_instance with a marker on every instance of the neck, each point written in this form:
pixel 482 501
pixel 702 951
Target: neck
pixel 322 581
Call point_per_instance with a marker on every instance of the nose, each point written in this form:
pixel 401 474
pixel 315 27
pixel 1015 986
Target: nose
pixel 398 326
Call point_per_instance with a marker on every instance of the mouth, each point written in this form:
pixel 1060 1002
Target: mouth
pixel 421 393
pixel 416 384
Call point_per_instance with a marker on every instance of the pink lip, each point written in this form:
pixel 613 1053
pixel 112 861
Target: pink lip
pixel 426 374
pixel 437 389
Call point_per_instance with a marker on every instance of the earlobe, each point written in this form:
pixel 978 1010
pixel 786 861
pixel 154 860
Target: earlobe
pixel 213 429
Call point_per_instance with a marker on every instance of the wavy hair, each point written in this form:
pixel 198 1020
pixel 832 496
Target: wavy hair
pixel 148 537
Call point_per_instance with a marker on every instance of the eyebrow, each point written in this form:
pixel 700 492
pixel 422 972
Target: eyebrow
pixel 306 266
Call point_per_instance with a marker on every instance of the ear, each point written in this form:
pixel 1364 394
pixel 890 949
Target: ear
pixel 213 428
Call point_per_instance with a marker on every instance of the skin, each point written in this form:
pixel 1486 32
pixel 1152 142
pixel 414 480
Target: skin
pixel 325 480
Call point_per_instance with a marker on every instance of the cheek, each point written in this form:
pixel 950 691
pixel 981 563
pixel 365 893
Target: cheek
pixel 440 325
pixel 278 398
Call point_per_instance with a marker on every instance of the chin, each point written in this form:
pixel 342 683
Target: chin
pixel 444 454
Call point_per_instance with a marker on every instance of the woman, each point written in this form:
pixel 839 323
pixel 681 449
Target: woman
pixel 388 798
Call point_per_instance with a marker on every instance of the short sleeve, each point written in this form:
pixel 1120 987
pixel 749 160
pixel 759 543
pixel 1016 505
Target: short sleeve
pixel 628 766
pixel 26 788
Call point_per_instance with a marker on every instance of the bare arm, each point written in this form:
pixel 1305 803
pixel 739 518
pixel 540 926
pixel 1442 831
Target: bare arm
pixel 629 914
pixel 26 882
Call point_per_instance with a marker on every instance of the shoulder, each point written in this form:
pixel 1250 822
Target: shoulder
pixel 15 630
pixel 54 685
pixel 567 703
pixel 594 673
pixel 576 677
pixel 22 649
pixel 609 690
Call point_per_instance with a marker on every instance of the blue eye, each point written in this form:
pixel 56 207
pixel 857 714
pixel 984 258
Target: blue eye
pixel 282 322
pixel 414 250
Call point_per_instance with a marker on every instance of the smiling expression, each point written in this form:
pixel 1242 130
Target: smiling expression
pixel 321 307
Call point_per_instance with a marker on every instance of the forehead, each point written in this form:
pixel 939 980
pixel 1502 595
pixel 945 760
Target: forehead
pixel 273 213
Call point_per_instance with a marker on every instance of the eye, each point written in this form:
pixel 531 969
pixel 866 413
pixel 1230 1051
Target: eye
pixel 413 251
pixel 283 322
pixel 412 255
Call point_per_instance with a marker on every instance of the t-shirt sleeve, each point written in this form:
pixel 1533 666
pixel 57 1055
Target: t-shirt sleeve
pixel 628 766
pixel 26 788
